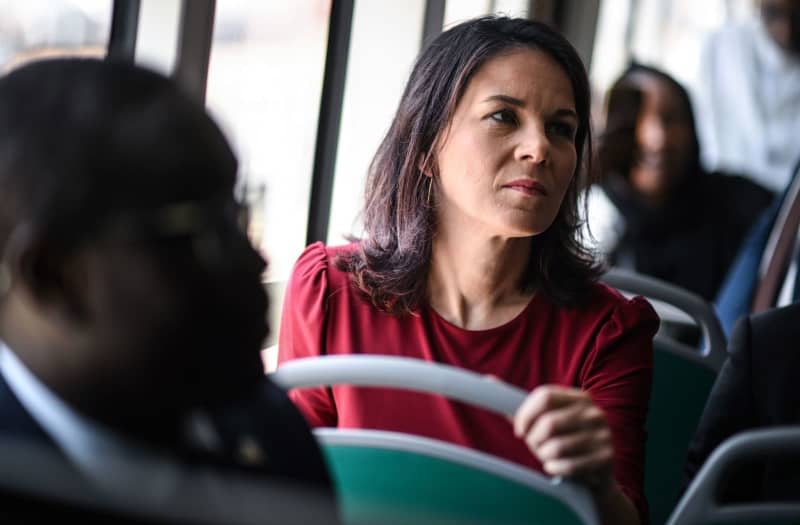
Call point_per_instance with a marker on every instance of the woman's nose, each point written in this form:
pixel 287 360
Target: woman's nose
pixel 534 146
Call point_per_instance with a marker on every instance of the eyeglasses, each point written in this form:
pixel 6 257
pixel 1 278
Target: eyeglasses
pixel 184 219
pixel 214 231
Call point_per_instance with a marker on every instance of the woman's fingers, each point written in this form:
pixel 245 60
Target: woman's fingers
pixel 544 399
pixel 575 418
pixel 567 432
pixel 582 466
pixel 573 445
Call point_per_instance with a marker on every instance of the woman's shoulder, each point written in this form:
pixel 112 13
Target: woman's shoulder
pixel 604 304
pixel 318 258
pixel 316 271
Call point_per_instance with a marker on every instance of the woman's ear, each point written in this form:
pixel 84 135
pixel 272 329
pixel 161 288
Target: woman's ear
pixel 52 278
pixel 425 164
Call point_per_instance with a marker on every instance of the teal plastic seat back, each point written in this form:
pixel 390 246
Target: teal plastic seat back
pixel 680 389
pixel 390 478
pixel 394 487
pixel 682 379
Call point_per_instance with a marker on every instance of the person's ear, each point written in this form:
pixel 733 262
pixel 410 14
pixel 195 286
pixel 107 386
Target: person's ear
pixel 53 278
pixel 425 164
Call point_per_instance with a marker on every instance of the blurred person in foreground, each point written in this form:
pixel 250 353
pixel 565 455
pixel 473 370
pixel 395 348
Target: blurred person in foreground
pixel 655 210
pixel 472 257
pixel 131 306
pixel 749 95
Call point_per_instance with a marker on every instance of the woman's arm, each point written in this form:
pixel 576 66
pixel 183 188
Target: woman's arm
pixel 595 431
pixel 303 330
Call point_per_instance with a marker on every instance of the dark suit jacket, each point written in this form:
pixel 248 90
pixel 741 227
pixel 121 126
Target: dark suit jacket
pixel 758 386
pixel 269 418
pixel 15 420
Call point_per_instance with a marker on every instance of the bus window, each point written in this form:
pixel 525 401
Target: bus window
pixel 667 34
pixel 456 11
pixel 36 29
pixel 385 40
pixel 264 88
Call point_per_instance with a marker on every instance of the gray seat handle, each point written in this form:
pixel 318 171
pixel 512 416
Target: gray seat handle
pixel 714 341
pixel 700 505
pixel 401 372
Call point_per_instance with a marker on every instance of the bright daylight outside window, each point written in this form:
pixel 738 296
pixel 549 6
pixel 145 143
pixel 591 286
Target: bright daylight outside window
pixel 36 29
pixel 664 33
pixel 264 87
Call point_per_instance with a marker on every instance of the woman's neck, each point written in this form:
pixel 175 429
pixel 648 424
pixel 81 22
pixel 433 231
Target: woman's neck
pixel 474 281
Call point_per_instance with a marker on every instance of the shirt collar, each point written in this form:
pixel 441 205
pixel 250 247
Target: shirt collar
pixel 127 471
pixel 106 458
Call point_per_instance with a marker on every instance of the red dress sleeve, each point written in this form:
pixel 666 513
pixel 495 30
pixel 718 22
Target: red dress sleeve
pixel 303 330
pixel 618 376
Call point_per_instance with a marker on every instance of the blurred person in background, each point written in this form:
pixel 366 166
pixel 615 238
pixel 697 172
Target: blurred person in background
pixel 655 210
pixel 749 96
pixel 132 311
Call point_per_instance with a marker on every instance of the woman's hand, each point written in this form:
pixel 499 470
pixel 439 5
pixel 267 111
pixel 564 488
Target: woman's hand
pixel 571 437
pixel 568 433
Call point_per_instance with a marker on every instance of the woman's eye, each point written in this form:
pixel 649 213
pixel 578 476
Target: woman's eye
pixel 504 116
pixel 562 129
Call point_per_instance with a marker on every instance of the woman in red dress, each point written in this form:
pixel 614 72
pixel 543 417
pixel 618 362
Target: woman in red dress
pixel 472 257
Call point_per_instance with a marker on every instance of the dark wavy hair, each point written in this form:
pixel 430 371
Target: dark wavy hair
pixel 392 261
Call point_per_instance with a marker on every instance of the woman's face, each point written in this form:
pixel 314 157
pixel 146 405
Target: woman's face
pixel 664 138
pixel 508 155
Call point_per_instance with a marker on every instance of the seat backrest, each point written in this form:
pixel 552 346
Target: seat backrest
pixel 675 304
pixel 700 506
pixel 39 485
pixel 681 387
pixel 390 478
pixel 682 380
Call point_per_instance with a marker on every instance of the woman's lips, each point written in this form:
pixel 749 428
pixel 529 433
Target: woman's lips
pixel 528 187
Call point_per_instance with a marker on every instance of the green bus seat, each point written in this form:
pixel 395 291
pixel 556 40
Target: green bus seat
pixel 386 478
pixel 680 389
pixel 682 380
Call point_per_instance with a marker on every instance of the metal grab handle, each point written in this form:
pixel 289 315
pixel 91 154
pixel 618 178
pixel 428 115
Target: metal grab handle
pixel 714 341
pixel 401 372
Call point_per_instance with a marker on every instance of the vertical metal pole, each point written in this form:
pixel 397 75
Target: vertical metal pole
pixel 124 23
pixel 330 116
pixel 194 46
pixel 433 22
pixel 541 10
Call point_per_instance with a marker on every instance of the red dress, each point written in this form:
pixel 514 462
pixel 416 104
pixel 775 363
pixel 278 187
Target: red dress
pixel 603 347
